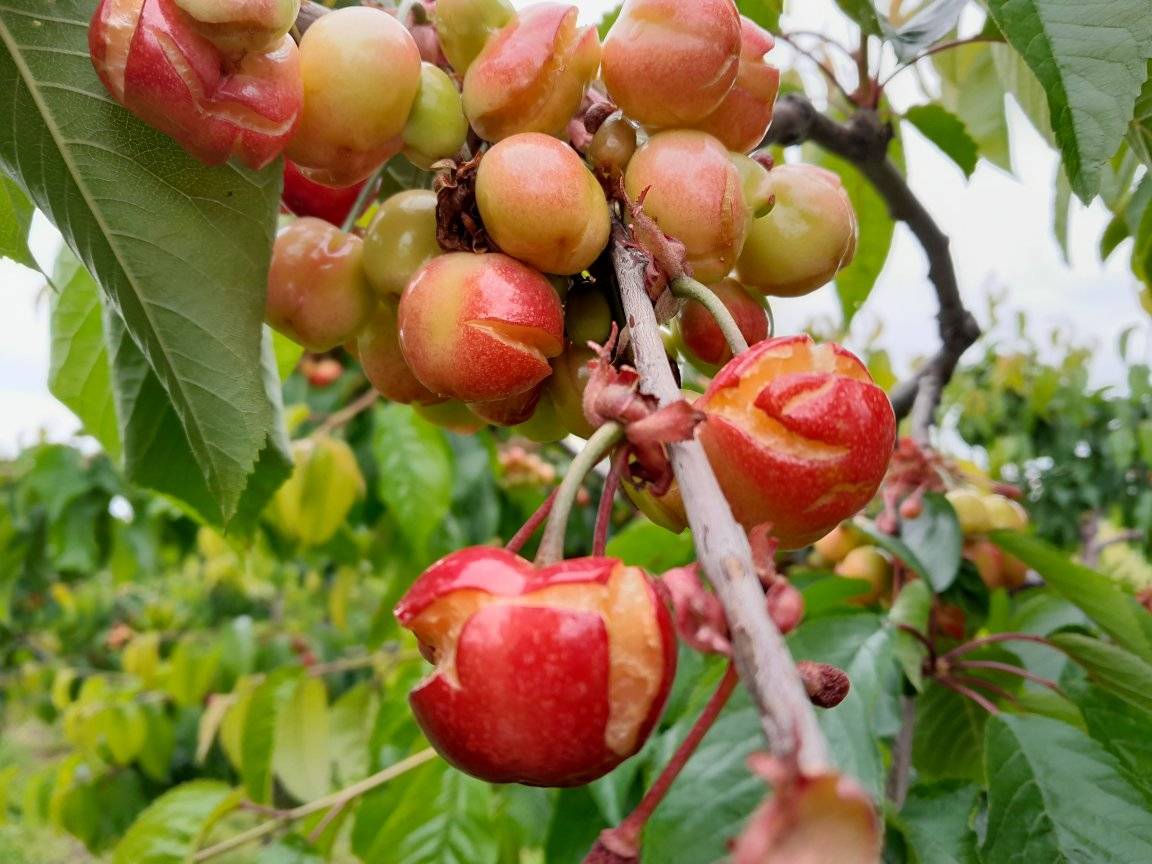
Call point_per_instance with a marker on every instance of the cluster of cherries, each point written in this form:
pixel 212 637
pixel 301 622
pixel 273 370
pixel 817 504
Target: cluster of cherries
pixel 544 675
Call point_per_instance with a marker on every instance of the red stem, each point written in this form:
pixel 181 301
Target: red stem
pixel 534 522
pixel 976 681
pixel 607 497
pixel 960 650
pixel 970 694
pixel 625 837
pixel 1009 669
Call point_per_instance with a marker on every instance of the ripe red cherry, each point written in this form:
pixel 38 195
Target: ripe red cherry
pixel 547 677
pixel 799 436
pixel 305 197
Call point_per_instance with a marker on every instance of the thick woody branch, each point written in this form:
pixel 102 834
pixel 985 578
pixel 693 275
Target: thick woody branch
pixel 863 140
pixel 766 667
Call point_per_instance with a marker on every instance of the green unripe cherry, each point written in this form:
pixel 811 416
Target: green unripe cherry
pixel 437 127
pixel 401 238
pixel 464 27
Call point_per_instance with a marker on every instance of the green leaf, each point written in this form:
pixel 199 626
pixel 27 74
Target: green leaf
pixel 352 717
pixel 912 608
pixel 258 742
pixel 1110 666
pixel 710 801
pixel 157 453
pixel 936 540
pixel 576 823
pixel 1112 722
pixel 301 758
pixel 414 464
pixel 1140 129
pixel 169 831
pixel 970 88
pixel 80 375
pixel 1142 249
pixel 1091 58
pixel 180 249
pixel 766 13
pixel 434 815
pixel 855 282
pixel 1095 594
pixel 1061 211
pixel 192 672
pixel 864 13
pixel 607 20
pixel 1076 807
pixel 645 544
pixel 287 354
pixel 1019 80
pixel 946 131
pixel 15 221
pixel 929 24
pixel 935 823
pixel 863 648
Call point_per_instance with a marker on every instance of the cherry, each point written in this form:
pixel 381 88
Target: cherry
pixel 437 127
pixel 400 239
pixel 305 197
pixel 544 676
pixel 702 338
pixel 378 347
pixel 869 564
pixel 465 26
pixel 541 204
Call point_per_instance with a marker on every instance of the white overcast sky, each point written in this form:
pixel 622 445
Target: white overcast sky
pixel 999 224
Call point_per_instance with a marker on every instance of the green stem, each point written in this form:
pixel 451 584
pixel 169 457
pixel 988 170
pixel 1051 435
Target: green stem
pixel 687 288
pixel 336 799
pixel 551 548
pixel 362 199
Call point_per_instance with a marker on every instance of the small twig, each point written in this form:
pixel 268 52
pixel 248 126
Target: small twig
pixel 347 414
pixel 336 799
pixel 1008 669
pixel 551 549
pixel 534 521
pixel 829 73
pixel 821 37
pixel 976 681
pixel 687 288
pixel 936 49
pixel 970 694
pixel 960 650
pixel 624 839
pixel 370 188
pixel 607 499
pixel 899 777
pixel 761 656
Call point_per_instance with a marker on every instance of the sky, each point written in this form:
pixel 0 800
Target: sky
pixel 999 225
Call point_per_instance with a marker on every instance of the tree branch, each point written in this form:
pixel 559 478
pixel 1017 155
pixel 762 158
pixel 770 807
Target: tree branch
pixel 759 652
pixel 863 140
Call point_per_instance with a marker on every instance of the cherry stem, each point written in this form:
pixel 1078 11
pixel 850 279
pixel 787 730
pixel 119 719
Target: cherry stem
pixel 534 521
pixel 1008 669
pixel 975 681
pixel 607 498
pixel 970 694
pixel 960 650
pixel 625 837
pixel 687 288
pixel 599 445
pixel 366 195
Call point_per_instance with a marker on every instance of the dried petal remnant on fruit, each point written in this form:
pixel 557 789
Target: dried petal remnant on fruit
pixel 546 676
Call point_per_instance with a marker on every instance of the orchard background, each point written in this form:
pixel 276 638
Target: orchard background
pixel 196 667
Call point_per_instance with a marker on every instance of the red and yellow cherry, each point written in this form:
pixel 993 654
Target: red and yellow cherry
pixel 305 197
pixel 1004 514
pixel 510 411
pixel 742 118
pixel 670 64
pixel 544 676
pixel 807 238
pixel 240 26
pixel 695 194
pixel 378 347
pixel 541 204
pixel 703 341
pixel 834 546
pixel 317 294
pixel 480 328
pixel 465 26
pixel 400 239
pixel 970 511
pixel 869 564
pixel 996 568
pixel 799 436
pixel 531 74
pixel 437 127
pixel 156 60
pixel 361 71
